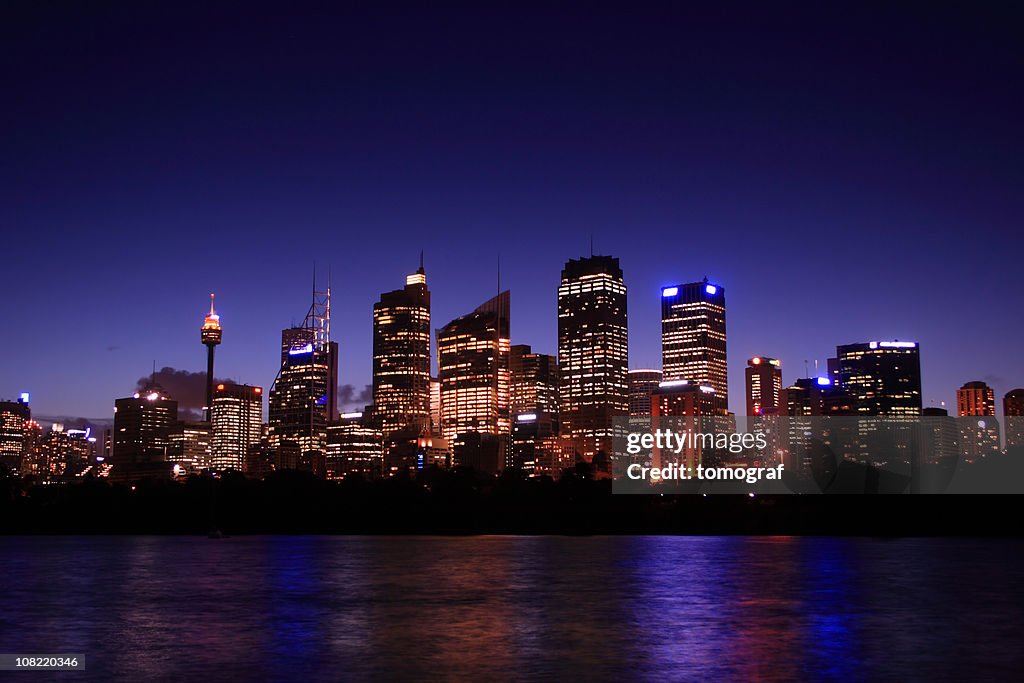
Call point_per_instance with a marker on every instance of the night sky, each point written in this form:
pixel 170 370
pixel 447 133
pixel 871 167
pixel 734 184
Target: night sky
pixel 847 173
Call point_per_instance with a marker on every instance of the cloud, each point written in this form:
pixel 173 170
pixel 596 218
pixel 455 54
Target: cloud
pixel 349 400
pixel 187 388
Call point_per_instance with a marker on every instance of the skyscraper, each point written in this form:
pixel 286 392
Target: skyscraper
pixel 641 384
pixel 764 385
pixel 473 367
pixel 304 397
pixel 979 437
pixel 401 358
pixel 693 343
pixel 210 333
pixel 1013 411
pixel 975 399
pixel 534 381
pixel 14 415
pixel 882 377
pixel 142 434
pixel 534 400
pixel 353 448
pixel 237 418
pixel 593 351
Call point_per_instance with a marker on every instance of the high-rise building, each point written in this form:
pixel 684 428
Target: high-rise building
pixel 882 377
pixel 473 367
pixel 191 448
pixel 693 343
pixel 975 399
pixel 435 405
pixel 642 383
pixel 401 358
pixel 703 415
pixel 304 397
pixel 764 385
pixel 534 381
pixel 353 448
pixel 142 434
pixel 979 437
pixel 210 333
pixel 237 422
pixel 593 352
pixel 14 415
pixel 1013 413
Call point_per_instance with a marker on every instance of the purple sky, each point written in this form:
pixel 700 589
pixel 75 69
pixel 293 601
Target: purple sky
pixel 846 173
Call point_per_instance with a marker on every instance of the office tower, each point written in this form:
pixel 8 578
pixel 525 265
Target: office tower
pixel 210 333
pixel 641 383
pixel 401 358
pixel 435 405
pixel 696 411
pixel 534 381
pixel 191 449
pixel 680 398
pixel 142 434
pixel 593 352
pixel 693 336
pixel 304 396
pixel 1013 411
pixel 975 399
pixel 63 453
pixel 764 385
pixel 980 437
pixel 940 437
pixel 808 435
pixel 473 367
pixel 237 420
pixel 14 415
pixel 353 448
pixel 882 377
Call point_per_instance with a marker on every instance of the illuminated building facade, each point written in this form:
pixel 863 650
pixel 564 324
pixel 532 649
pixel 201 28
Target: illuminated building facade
pixel 435 405
pixel 882 377
pixel 980 437
pixel 237 424
pixel 693 340
pixel 401 358
pixel 304 397
pixel 14 416
pixel 975 399
pixel 534 381
pixel 642 383
pixel 143 424
pixel 191 448
pixel 702 410
pixel 593 352
pixel 473 367
pixel 764 385
pixel 1013 411
pixel 210 334
pixel 353 448
pixel 64 453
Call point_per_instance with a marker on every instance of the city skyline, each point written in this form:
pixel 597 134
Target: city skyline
pixel 363 401
pixel 836 181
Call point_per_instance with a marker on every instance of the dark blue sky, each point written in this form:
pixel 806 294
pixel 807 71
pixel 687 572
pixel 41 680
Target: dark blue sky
pixel 847 173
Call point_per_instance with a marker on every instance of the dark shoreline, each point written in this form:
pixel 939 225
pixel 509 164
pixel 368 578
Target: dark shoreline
pixel 454 503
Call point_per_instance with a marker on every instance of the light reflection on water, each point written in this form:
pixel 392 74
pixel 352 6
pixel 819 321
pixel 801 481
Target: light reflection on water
pixel 676 608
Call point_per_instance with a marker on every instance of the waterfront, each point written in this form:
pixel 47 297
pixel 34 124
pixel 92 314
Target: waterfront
pixel 498 607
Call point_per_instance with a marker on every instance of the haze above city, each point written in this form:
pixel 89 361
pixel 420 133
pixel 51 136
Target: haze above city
pixel 847 175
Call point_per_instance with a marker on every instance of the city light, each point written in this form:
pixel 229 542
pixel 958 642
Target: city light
pixel 670 291
pixel 711 289
pixel 824 381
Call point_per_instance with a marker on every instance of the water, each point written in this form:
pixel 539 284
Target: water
pixel 486 608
